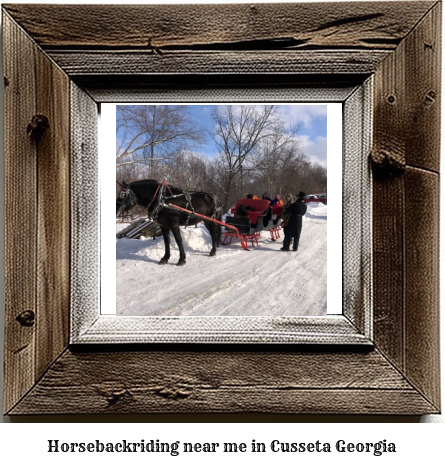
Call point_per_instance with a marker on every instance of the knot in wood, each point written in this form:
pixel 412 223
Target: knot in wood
pixel 430 97
pixel 37 126
pixel 114 397
pixel 173 393
pixel 26 318
pixel 386 163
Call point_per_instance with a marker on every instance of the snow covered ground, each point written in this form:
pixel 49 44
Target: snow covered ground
pixel 262 282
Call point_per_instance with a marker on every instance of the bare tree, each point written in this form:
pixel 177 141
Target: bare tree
pixel 190 171
pixel 302 175
pixel 249 138
pixel 256 150
pixel 148 135
pixel 238 131
pixel 274 156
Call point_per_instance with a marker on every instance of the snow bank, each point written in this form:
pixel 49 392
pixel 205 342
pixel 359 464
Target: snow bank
pixel 195 240
pixel 262 282
pixel 316 211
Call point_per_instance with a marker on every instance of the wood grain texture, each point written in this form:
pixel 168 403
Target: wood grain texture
pixel 223 382
pixel 423 92
pixel 220 87
pixel 422 364
pixel 279 38
pixel 389 144
pixel 78 63
pixel 37 188
pixel 85 212
pixel 334 330
pixel 53 228
pixel 21 214
pixel 357 208
pixel 406 273
pixel 408 85
pixel 277 45
pixel 388 268
pixel 299 25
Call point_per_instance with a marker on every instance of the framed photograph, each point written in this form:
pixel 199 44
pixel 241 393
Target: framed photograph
pixel 236 297
pixel 232 167
pixel 369 341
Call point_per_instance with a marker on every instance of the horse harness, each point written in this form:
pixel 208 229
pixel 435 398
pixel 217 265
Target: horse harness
pixel 124 193
pixel 162 198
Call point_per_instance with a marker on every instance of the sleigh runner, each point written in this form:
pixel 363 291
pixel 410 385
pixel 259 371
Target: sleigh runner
pixel 251 216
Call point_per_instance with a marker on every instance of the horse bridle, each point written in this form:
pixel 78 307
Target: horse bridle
pixel 124 194
pixel 160 196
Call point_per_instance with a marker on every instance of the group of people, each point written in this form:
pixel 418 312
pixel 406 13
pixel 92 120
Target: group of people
pixel 275 201
pixel 293 210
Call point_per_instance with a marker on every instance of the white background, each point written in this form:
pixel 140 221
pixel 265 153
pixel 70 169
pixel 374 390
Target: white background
pixel 22 440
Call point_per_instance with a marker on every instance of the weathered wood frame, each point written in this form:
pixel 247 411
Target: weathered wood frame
pixel 77 56
pixel 353 326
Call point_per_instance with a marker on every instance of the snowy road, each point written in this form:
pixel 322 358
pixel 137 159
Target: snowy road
pixel 262 282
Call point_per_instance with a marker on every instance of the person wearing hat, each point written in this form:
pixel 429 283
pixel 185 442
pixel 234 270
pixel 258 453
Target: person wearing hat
pixel 294 212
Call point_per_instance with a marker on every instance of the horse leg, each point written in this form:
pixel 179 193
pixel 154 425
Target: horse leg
pixel 213 230
pixel 177 235
pixel 166 236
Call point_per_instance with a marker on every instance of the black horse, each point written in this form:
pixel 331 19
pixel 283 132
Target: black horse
pixel 157 198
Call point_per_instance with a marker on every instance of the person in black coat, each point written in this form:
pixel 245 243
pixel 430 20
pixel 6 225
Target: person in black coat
pixel 293 220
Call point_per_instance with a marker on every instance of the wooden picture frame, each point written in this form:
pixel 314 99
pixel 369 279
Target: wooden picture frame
pixel 56 72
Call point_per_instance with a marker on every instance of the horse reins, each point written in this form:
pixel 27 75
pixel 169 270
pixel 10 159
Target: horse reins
pixel 161 198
